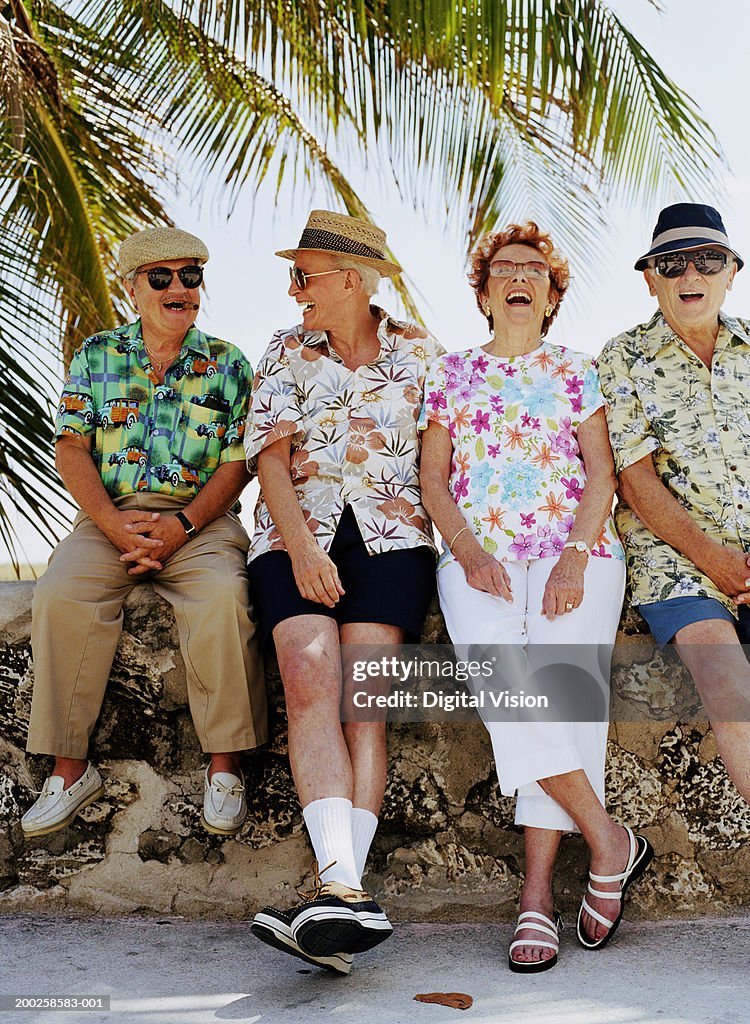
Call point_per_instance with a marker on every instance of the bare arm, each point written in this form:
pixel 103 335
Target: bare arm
pixel 665 517
pixel 482 570
pixel 316 575
pixel 220 492
pixel 565 584
pixel 81 477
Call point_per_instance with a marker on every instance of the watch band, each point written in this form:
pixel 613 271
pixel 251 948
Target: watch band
pixel 188 527
pixel 579 545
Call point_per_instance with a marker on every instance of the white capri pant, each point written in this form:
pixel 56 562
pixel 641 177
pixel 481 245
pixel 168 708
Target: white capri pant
pixel 525 752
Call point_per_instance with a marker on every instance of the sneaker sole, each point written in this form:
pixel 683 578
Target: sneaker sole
pixel 47 830
pixel 265 930
pixel 220 831
pixel 326 933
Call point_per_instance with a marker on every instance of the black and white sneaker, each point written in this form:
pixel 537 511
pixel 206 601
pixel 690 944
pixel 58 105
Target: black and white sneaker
pixel 274 927
pixel 336 919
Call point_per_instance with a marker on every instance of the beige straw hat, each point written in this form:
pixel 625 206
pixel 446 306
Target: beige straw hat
pixel 155 244
pixel 338 233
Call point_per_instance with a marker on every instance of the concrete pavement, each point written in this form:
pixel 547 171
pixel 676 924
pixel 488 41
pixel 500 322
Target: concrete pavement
pixel 171 971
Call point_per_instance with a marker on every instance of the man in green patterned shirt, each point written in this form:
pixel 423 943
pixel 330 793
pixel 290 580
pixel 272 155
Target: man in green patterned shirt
pixel 148 441
pixel 677 389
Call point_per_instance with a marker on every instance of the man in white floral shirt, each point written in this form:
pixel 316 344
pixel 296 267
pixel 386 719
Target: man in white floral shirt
pixel 677 389
pixel 342 555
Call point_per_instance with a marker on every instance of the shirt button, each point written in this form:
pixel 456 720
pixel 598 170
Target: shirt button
pixel 740 505
pixel 733 469
pixel 725 427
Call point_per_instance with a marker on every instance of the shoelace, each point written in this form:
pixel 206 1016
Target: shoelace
pixel 318 884
pixel 236 790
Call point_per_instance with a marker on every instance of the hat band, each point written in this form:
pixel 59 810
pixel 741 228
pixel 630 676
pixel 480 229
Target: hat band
pixel 314 238
pixel 679 234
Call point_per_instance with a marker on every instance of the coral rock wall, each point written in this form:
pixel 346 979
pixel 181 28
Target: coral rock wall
pixel 446 849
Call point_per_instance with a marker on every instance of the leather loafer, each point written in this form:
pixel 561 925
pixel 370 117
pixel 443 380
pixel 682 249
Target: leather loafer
pixel 224 803
pixel 57 807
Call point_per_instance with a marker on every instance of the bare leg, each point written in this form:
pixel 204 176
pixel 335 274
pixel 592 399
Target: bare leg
pixel 307 647
pixel 716 660
pixel 366 741
pixel 541 846
pixel 607 840
pixel 228 762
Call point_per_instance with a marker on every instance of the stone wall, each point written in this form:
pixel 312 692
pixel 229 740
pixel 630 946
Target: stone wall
pixel 446 848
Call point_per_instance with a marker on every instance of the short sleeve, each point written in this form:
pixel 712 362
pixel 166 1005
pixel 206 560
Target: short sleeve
pixel 434 402
pixel 592 398
pixel 75 413
pixel 274 410
pixel 629 430
pixel 232 449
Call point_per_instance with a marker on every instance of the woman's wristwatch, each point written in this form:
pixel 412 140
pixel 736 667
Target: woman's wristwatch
pixel 579 545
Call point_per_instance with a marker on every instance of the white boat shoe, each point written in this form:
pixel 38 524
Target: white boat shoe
pixel 57 807
pixel 224 803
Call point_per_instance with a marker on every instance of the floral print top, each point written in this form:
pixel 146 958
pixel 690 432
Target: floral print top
pixel 695 423
pixel 149 436
pixel 516 471
pixel 355 438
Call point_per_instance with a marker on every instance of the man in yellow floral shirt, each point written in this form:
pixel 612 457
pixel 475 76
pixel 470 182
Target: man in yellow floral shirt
pixel 148 441
pixel 677 389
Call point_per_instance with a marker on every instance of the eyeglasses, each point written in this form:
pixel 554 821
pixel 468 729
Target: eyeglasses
pixel 299 278
pixel 160 278
pixel 705 261
pixel 507 268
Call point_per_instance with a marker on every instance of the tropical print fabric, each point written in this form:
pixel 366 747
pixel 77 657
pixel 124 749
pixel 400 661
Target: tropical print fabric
pixel 516 470
pixel 665 402
pixel 148 436
pixel 355 439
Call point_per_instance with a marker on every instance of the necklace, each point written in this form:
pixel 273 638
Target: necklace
pixel 158 364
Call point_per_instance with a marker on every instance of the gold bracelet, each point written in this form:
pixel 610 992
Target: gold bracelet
pixel 462 530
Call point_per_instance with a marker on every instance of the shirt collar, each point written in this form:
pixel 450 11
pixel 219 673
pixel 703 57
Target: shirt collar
pixel 195 340
pixel 388 330
pixel 657 334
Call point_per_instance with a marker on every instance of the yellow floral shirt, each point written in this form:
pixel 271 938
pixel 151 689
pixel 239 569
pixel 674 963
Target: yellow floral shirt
pixel 355 438
pixel 664 401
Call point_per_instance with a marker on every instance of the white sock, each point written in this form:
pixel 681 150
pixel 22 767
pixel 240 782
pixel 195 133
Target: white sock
pixel 364 824
pixel 329 822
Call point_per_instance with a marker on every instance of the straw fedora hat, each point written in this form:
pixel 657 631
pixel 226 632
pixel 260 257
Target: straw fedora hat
pixel 341 235
pixel 162 243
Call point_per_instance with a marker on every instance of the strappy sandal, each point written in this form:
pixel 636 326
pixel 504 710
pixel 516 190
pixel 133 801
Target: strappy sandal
pixel 640 856
pixel 528 920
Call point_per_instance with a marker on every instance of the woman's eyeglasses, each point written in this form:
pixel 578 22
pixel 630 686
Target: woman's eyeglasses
pixel 507 268
pixel 160 278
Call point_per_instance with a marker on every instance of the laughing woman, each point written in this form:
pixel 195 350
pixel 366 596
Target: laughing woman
pixel 518 476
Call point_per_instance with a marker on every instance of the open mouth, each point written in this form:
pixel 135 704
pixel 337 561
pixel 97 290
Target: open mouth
pixel 518 297
pixel 181 305
pixel 691 296
pixel 305 307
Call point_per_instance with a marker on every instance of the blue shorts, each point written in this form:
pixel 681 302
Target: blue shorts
pixel 665 618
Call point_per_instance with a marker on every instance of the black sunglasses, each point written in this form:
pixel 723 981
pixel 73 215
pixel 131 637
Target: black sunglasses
pixel 705 261
pixel 160 278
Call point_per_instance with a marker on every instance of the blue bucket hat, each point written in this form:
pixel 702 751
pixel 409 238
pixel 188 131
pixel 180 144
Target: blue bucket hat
pixel 686 226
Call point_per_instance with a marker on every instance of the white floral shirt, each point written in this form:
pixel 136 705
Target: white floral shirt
pixel 516 471
pixel 354 434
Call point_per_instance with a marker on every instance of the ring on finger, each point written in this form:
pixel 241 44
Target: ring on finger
pixel 569 606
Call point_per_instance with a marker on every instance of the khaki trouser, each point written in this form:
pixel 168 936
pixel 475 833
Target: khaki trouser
pixel 77 620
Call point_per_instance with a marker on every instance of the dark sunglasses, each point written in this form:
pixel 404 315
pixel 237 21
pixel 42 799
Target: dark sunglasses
pixel 705 261
pixel 300 278
pixel 160 278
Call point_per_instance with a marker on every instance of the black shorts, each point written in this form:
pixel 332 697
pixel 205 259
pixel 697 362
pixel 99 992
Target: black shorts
pixel 393 588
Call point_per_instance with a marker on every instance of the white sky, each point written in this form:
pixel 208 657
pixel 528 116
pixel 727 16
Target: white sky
pixel 703 47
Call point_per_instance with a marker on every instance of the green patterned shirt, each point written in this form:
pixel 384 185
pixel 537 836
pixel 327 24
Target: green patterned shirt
pixel 149 436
